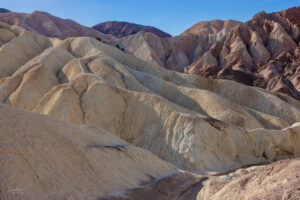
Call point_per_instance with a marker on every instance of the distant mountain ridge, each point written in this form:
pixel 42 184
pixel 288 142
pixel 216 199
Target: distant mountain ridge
pixel 3 10
pixel 121 29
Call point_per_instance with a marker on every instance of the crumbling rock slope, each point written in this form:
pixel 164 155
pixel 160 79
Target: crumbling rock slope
pixel 198 124
pixel 212 27
pixel 262 52
pixel 177 52
pixel 279 180
pixel 121 29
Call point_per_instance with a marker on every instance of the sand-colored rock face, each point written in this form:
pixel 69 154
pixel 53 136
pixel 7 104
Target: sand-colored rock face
pixel 197 124
pixel 280 180
pixel 121 29
pixel 212 27
pixel 44 158
pixel 178 52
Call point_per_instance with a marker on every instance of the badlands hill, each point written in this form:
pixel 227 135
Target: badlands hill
pixel 43 158
pixel 279 180
pixel 190 120
pixel 187 122
pixel 121 29
pixel 51 26
pixel 263 52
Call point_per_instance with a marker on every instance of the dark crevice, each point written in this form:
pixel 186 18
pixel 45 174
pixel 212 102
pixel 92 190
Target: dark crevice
pixel 118 147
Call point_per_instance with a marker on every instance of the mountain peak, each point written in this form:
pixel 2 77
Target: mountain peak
pixel 121 29
pixel 212 27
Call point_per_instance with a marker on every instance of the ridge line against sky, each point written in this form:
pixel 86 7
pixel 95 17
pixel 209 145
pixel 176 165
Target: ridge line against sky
pixel 173 17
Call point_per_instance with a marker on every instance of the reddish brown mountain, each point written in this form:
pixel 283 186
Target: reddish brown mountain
pixel 121 29
pixel 177 52
pixel 262 52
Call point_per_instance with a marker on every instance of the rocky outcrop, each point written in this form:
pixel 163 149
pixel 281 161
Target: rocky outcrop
pixel 257 53
pixel 121 29
pixel 279 180
pixel 172 53
pixel 263 52
pixel 197 124
pixel 51 26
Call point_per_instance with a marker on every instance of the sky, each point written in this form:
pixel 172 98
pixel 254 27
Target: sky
pixel 172 16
